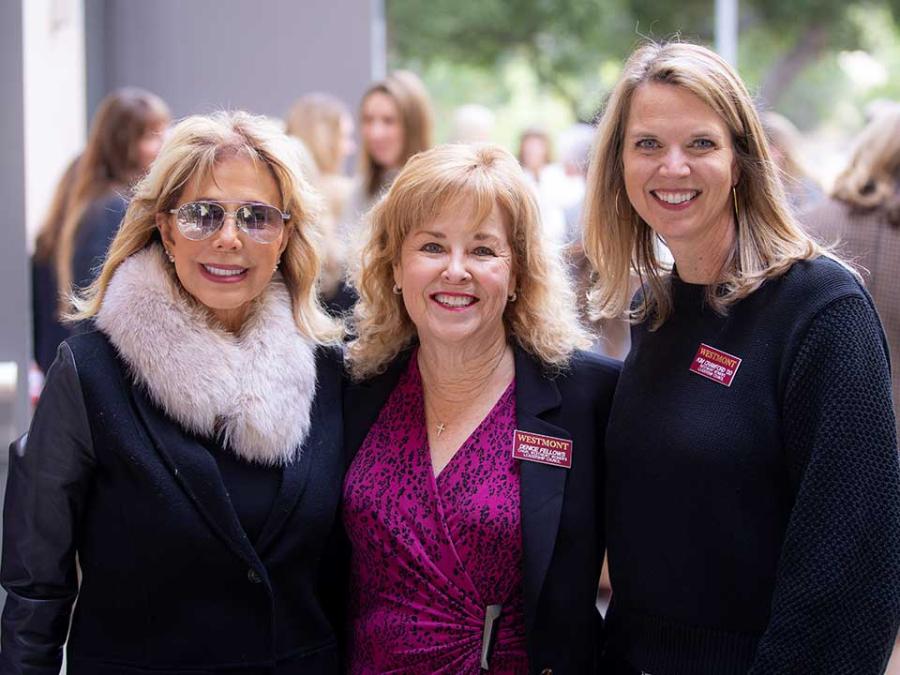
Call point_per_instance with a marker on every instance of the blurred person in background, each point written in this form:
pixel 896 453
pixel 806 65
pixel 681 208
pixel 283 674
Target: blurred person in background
pixel 88 205
pixel 180 480
pixel 126 135
pixel 47 328
pixel 752 475
pixel 801 189
pixel 467 555
pixel 610 335
pixel 473 123
pixel 574 155
pixel 862 220
pixel 395 122
pixel 325 126
pixel 536 157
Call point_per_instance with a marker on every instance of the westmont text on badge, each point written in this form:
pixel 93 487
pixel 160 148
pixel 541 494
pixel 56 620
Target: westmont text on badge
pixel 715 364
pixel 531 447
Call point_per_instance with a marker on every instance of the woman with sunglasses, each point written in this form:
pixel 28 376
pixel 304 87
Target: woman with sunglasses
pixel 187 451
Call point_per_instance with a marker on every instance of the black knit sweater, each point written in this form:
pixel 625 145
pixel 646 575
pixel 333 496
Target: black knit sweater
pixel 753 522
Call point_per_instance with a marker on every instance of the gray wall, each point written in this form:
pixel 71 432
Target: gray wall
pixel 259 55
pixel 15 303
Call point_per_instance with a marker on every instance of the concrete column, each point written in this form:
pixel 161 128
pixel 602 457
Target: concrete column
pixel 15 327
pixel 204 55
pixel 727 30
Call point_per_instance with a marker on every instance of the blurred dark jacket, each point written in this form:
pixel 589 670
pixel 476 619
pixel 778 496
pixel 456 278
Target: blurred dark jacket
pixel 98 226
pixel 47 331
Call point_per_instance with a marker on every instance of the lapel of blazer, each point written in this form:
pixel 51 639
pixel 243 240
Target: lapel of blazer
pixel 542 486
pixel 196 471
pixel 363 402
pixel 296 474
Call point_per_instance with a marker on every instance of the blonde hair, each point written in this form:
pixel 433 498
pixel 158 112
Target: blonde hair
pixel 617 240
pixel 192 151
pixel 316 120
pixel 110 162
pixel 416 118
pixel 542 319
pixel 871 178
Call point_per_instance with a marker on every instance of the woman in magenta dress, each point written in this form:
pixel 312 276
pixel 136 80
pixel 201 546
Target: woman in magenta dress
pixel 476 425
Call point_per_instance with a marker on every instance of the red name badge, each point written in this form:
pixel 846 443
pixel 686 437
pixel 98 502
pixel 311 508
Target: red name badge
pixel 715 364
pixel 531 447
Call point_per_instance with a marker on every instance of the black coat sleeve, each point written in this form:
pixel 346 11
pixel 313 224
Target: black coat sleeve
pixel 47 488
pixel 837 598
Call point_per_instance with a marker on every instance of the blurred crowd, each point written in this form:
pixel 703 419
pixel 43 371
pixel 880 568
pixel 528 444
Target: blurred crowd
pixel 393 121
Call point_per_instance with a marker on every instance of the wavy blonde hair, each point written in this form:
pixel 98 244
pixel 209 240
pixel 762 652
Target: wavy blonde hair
pixel 618 241
pixel 192 151
pixel 871 178
pixel 542 319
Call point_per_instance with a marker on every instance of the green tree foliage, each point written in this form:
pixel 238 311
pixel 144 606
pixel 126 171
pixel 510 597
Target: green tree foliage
pixel 565 40
pixel 562 40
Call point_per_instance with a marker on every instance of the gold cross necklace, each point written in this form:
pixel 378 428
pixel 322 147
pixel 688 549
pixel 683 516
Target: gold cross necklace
pixel 439 428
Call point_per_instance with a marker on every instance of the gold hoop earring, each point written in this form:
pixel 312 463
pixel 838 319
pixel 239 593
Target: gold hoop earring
pixel 617 203
pixel 734 196
pixel 397 290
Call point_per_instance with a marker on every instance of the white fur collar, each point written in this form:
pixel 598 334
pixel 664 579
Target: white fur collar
pixel 253 391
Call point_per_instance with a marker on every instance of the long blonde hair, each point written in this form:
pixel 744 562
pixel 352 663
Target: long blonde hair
pixel 872 176
pixel 416 117
pixel 617 240
pixel 316 120
pixel 477 177
pixel 110 162
pixel 191 153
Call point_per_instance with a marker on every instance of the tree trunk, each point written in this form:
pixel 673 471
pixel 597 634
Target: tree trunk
pixel 786 69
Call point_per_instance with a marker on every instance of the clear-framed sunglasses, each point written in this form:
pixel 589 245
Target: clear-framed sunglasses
pixel 200 220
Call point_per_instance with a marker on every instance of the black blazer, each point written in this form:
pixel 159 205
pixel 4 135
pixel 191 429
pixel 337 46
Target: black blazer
pixel 170 583
pixel 561 509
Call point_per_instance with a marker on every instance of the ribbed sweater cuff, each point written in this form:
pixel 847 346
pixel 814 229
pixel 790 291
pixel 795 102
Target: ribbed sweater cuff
pixel 662 646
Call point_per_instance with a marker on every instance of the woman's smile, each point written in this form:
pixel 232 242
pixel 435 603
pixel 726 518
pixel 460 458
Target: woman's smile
pixel 454 302
pixel 223 274
pixel 675 200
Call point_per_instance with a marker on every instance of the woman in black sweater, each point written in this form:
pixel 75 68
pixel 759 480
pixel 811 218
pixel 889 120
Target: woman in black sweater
pixel 753 489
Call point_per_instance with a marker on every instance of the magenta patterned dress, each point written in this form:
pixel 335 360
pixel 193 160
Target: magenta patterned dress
pixel 430 554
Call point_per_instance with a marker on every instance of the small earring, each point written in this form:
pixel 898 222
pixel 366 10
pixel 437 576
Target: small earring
pixel 397 290
pixel 734 195
pixel 512 297
pixel 617 203
pixel 275 269
pixel 170 256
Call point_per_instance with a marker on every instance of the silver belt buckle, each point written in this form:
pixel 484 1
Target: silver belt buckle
pixel 489 636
